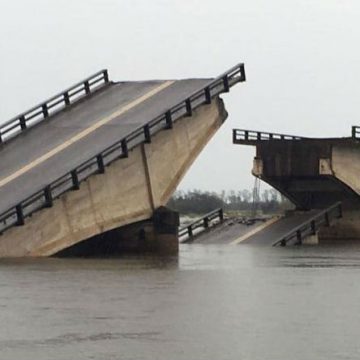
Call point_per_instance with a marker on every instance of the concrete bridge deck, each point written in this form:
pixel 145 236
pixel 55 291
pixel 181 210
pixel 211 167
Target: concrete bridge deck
pixel 36 158
pixel 123 145
pixel 267 233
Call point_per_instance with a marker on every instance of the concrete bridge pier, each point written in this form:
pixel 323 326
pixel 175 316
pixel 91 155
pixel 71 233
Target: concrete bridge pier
pixel 158 235
pixel 312 173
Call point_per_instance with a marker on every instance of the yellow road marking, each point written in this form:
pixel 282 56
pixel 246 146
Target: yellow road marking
pixel 85 132
pixel 256 230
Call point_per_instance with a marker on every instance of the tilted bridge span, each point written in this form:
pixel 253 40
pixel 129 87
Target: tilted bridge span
pixel 104 156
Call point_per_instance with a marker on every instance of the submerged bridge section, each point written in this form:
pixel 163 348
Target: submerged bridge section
pixel 101 155
pixel 312 173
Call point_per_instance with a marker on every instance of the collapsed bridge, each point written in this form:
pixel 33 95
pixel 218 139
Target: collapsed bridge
pixel 103 156
pixel 313 173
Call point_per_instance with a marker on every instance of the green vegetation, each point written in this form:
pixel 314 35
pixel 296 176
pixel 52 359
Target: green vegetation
pixel 240 202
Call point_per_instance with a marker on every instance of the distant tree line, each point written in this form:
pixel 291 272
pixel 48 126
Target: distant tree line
pixel 200 202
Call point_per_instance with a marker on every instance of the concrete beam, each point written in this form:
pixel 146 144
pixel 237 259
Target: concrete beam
pixel 312 173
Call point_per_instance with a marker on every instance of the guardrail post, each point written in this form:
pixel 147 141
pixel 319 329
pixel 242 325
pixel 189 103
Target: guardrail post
pixel 298 237
pixel 234 136
pixel 147 134
pixel 100 164
pixel 206 222
pixel 168 120
pixel 221 215
pixel 246 135
pixel 340 211
pixel 353 132
pixel 190 232
pixel 66 98
pixel 283 242
pixel 87 87
pixel 75 180
pixel 22 122
pixel 1 140
pixel 313 227
pixel 242 72
pixel 188 107
pixel 20 215
pixel 45 110
pixel 327 219
pixel 207 95
pixel 124 148
pixel 226 83
pixel 106 76
pixel 48 196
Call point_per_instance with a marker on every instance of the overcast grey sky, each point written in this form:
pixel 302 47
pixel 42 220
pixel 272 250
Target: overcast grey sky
pixel 302 61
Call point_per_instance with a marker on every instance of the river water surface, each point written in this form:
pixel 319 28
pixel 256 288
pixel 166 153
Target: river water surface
pixel 212 302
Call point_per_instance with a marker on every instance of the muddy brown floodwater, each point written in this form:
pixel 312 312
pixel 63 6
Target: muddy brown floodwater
pixel 212 302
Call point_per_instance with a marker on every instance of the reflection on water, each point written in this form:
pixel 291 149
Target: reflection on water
pixel 213 302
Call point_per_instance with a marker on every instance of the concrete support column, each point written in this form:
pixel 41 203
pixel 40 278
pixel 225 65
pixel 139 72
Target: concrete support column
pixel 161 235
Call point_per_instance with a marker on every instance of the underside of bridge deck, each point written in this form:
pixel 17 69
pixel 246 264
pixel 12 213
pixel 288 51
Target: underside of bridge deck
pixel 312 173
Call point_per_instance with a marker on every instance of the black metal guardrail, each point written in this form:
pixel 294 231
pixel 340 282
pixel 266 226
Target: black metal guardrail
pixel 355 132
pixel 311 226
pixel 96 165
pixel 53 105
pixel 203 223
pixel 240 135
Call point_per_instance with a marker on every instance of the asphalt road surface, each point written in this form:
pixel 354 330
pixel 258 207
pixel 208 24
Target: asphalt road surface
pixel 44 153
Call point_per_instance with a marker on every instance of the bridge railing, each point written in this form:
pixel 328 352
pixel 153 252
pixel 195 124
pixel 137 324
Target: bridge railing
pixel 355 132
pixel 240 135
pixel 120 149
pixel 52 105
pixel 311 226
pixel 187 233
